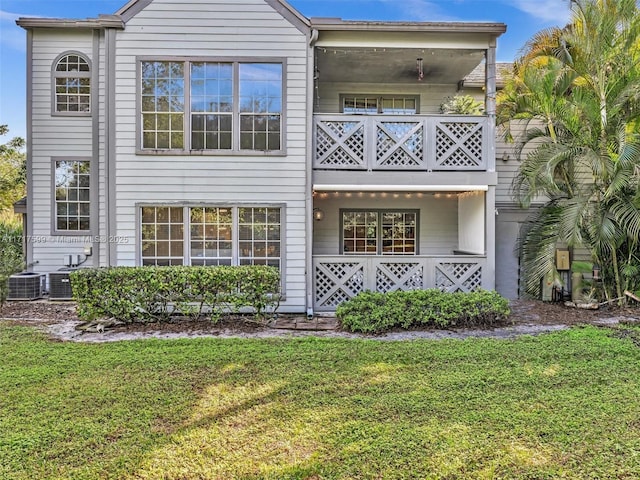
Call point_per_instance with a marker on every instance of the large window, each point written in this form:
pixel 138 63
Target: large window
pixel 211 106
pixel 72 196
pixel 229 235
pixel 72 85
pixel 379 232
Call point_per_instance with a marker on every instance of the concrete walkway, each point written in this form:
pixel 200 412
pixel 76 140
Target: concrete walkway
pixel 323 327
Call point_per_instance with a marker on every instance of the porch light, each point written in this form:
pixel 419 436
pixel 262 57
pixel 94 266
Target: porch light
pixel 318 214
pixel 595 272
pixel 505 157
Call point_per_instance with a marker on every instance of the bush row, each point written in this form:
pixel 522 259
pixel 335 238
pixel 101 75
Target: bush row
pixel 143 294
pixel 372 312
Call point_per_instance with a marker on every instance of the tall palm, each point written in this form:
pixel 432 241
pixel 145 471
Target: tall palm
pixel 581 84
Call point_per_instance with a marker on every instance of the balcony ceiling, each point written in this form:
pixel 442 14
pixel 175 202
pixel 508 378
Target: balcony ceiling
pixel 397 65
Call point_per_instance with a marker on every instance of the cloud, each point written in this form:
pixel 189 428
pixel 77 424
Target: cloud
pixel 420 10
pixel 8 16
pixel 556 11
pixel 13 37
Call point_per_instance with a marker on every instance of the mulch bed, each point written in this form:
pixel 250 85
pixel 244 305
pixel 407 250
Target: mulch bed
pixel 524 312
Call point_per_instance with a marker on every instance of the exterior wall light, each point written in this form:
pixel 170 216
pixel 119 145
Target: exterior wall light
pixel 595 273
pixel 318 214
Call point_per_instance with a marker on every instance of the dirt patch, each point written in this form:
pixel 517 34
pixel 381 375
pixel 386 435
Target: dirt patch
pixel 528 317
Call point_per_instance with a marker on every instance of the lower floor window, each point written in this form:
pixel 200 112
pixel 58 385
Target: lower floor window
pixel 230 235
pixel 379 232
pixel 72 195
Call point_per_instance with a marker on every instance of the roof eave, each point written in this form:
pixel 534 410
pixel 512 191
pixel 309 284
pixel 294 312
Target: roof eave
pixel 101 22
pixel 133 7
pixel 338 24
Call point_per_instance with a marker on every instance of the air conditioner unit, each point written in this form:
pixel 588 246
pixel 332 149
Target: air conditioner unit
pixel 26 286
pixel 60 285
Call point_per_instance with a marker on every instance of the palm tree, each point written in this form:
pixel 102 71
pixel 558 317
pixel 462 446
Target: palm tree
pixel 578 89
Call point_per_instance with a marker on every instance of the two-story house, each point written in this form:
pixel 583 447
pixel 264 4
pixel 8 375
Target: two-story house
pixel 216 132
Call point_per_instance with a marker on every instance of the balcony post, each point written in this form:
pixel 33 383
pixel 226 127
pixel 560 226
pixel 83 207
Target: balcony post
pixel 490 105
pixel 489 272
pixel 370 143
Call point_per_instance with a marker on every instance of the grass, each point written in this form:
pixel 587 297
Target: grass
pixel 563 405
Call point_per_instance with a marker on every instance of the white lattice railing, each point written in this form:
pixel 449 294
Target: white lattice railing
pixel 411 142
pixel 341 277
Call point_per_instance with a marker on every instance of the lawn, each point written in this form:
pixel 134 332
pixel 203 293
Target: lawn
pixel 563 405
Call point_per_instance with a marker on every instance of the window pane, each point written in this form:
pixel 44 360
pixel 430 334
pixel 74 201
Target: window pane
pixel 162 105
pixel 211 83
pixel 72 84
pixel 398 233
pixel 256 224
pixel 162 235
pixel 212 225
pixel 72 180
pixel 360 232
pixel 260 98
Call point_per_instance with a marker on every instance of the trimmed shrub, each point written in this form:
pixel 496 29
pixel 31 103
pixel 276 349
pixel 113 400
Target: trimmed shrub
pixel 143 294
pixel 373 312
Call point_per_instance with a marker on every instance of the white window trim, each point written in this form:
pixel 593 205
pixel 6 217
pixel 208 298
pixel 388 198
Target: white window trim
pixel 235 150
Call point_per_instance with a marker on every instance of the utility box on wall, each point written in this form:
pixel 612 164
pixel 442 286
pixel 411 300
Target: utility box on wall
pixel 562 260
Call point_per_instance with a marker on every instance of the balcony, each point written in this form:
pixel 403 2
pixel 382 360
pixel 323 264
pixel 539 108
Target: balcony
pixel 340 277
pixel 427 143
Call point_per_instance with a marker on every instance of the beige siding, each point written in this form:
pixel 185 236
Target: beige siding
pixel 438 220
pixel 54 136
pixel 198 28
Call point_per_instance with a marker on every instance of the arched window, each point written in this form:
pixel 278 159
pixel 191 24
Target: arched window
pixel 72 83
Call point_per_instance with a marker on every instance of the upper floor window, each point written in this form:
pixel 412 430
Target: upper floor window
pixel 375 104
pixel 72 195
pixel 211 106
pixel 72 85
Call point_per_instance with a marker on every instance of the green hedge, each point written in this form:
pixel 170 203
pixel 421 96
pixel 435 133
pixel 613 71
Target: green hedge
pixel 147 294
pixel 11 260
pixel 372 312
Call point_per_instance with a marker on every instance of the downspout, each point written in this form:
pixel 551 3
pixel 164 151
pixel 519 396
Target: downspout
pixel 96 108
pixel 109 163
pixel 313 37
pixel 28 225
pixel 489 278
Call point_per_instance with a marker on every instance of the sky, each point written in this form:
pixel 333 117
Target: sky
pixel 522 17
